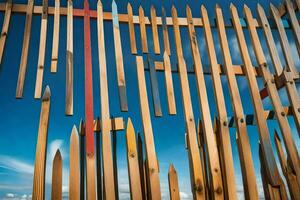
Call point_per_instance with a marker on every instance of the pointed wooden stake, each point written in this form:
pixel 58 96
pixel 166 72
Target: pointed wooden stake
pixel 294 22
pixel 5 26
pixel 169 85
pixel 69 60
pixel 82 159
pixel 74 177
pixel 38 191
pixel 154 30
pixel 173 183
pixel 56 192
pixel 165 31
pixel 55 42
pixel 143 30
pixel 131 29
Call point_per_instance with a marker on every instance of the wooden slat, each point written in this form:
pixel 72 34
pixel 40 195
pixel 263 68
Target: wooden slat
pixel 249 179
pixel 143 30
pixel 56 189
pixel 154 88
pixel 291 180
pixel 55 42
pixel 42 51
pixel 165 31
pixel 115 164
pixel 154 30
pixel 5 27
pixel 69 61
pixel 133 163
pixel 287 52
pixel 98 159
pixel 74 173
pixel 169 85
pixel 294 22
pixel 119 59
pixel 25 49
pixel 131 29
pixel 141 167
pixel 225 145
pixel 152 165
pixel 82 159
pixel 173 183
pixel 197 181
pixel 38 189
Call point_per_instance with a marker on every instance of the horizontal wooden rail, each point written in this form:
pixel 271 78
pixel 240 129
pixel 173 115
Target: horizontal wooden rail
pixel 116 124
pixel 123 18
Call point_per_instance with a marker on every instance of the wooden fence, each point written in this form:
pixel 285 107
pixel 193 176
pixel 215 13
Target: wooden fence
pixel 93 171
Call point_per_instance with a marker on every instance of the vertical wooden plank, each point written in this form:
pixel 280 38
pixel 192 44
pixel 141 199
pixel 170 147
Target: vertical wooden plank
pixel 25 49
pixel 133 163
pixel 294 22
pixel 287 52
pixel 55 42
pixel 291 180
pixel 287 76
pixel 131 29
pixel 38 189
pixel 115 167
pixel 119 58
pixel 108 181
pixel 69 60
pixel 74 173
pixel 141 167
pixel 143 30
pixel 154 30
pixel 173 183
pixel 82 158
pixel 98 160
pixel 152 165
pixel 5 27
pixel 225 145
pixel 169 84
pixel 42 50
pixel 165 31
pixel 56 190
pixel 246 161
pixel 197 182
pixel 154 88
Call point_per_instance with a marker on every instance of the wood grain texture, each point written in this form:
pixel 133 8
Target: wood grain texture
pixel 55 41
pixel 154 30
pixel 224 135
pixel 74 173
pixel 56 189
pixel 38 189
pixel 141 166
pixel 152 165
pixel 131 29
pixel 173 183
pixel 69 61
pixel 42 51
pixel 5 27
pixel 169 85
pixel 197 182
pixel 165 31
pixel 82 159
pixel 246 161
pixel 25 49
pixel 143 30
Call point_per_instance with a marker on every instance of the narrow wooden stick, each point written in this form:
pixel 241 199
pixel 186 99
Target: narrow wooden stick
pixel 173 183
pixel 55 42
pixel 141 167
pixel 152 165
pixel 25 49
pixel 143 30
pixel 169 85
pixel 74 173
pixel 69 60
pixel 99 160
pixel 115 162
pixel 5 27
pixel 165 31
pixel 154 30
pixel 42 50
pixel 38 189
pixel 56 190
pixel 131 29
pixel 82 158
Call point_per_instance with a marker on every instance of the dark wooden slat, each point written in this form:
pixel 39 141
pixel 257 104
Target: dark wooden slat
pixel 5 27
pixel 56 189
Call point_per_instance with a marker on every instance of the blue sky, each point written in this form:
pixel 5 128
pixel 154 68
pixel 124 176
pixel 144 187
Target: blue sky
pixel 20 118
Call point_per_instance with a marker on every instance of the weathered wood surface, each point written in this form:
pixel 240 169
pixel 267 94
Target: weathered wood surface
pixel 293 21
pixel 38 189
pixel 152 165
pixel 74 173
pixel 56 189
pixel 154 30
pixel 5 27
pixel 141 166
pixel 55 41
pixel 165 31
pixel 143 30
pixel 173 183
pixel 42 52
pixel 82 159
pixel 169 84
pixel 25 48
pixel 131 29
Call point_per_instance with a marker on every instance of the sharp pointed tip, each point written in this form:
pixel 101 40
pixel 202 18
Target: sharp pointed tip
pixel 152 7
pixel 129 122
pixel 276 135
pixel 187 7
pixel 258 6
pixel 74 129
pixel 173 7
pixel 57 154
pixel 217 6
pixel 47 94
pixel 232 6
pixel 171 168
pixel 272 7
pixel 128 5
pixel 203 7
pixel 246 7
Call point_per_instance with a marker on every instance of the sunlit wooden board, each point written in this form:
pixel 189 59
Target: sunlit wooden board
pixel 294 22
pixel 69 61
pixel 5 27
pixel 154 30
pixel 82 158
pixel 143 30
pixel 55 41
pixel 74 172
pixel 165 31
pixel 56 189
pixel 131 29
pixel 169 85
pixel 173 183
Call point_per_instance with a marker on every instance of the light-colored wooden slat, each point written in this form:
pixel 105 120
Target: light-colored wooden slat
pixel 169 84
pixel 152 165
pixel 108 181
pixel 143 30
pixel 291 180
pixel 141 167
pixel 294 22
pixel 131 29
pixel 249 179
pixel 287 52
pixel 225 145
pixel 56 189
pixel 69 61
pixel 173 183
pixel 74 173
pixel 197 181
pixel 154 30
pixel 165 31
pixel 82 159
pixel 5 27
pixel 119 59
pixel 116 124
pixel 42 51
pixel 275 100
pixel 133 165
pixel 25 49
pixel 55 42
pixel 38 189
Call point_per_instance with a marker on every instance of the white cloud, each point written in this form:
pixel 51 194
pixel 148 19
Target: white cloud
pixel 11 196
pixel 16 165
